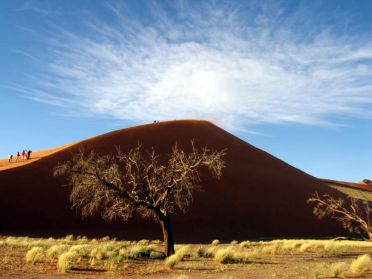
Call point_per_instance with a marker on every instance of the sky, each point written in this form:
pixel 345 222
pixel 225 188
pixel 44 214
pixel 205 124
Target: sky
pixel 293 78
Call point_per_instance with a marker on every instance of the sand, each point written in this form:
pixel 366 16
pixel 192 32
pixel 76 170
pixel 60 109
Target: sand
pixel 258 196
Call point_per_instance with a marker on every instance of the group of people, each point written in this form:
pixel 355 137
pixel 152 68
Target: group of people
pixel 25 155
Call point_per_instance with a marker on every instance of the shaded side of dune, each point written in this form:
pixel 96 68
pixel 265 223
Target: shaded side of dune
pixel 258 196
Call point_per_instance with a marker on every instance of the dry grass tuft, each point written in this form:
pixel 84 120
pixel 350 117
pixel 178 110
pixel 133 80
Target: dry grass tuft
pixel 318 271
pixel 233 255
pixel 56 250
pixel 171 261
pixel 338 269
pixel 200 252
pixel 245 244
pixel 215 242
pixel 34 255
pixel 360 265
pixel 156 255
pixel 226 255
pixel 66 261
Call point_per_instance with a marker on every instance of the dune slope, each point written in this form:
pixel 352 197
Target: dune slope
pixel 258 195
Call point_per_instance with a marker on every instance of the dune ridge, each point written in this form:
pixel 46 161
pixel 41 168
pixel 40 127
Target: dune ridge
pixel 258 196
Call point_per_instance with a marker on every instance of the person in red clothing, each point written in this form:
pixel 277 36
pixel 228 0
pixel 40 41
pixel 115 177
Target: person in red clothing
pixel 23 154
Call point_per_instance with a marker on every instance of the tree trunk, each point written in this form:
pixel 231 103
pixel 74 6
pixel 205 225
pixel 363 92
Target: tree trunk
pixel 166 226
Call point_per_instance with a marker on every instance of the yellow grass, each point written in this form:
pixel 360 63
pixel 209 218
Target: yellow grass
pixel 34 255
pixel 66 261
pixel 360 265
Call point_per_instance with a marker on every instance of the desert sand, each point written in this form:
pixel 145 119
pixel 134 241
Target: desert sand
pixel 37 155
pixel 258 196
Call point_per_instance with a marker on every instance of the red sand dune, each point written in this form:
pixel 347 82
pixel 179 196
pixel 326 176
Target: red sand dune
pixel 362 185
pixel 258 196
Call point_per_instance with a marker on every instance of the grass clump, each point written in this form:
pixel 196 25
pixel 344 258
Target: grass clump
pixel 144 242
pixel 232 255
pixel 138 251
pixel 226 255
pixel 56 250
pixel 272 249
pixel 338 269
pixel 215 242
pixel 318 271
pixel 245 244
pixel 201 252
pixel 156 255
pixel 82 250
pixel 34 255
pixel 69 237
pixel 66 261
pixel 360 265
pixel 305 247
pixel 141 251
pixel 210 252
pixel 174 259
pixel 171 261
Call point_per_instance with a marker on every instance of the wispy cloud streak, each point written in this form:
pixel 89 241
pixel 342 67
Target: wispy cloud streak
pixel 225 63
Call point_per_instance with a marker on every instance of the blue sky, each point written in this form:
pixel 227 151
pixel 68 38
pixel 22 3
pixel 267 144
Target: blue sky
pixel 291 77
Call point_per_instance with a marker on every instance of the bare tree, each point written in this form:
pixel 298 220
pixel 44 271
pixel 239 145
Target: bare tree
pixel 353 214
pixel 152 185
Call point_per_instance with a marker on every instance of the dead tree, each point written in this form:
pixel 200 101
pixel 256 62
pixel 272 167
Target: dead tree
pixel 353 214
pixel 148 183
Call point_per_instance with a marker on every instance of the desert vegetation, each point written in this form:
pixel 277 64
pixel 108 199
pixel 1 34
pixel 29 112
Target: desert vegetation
pixel 151 184
pixel 353 214
pixel 276 258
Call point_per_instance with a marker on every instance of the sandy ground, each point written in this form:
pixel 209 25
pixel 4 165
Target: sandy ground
pixel 35 155
pixel 297 265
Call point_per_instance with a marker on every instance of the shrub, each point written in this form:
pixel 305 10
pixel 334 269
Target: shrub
pixel 215 242
pixel 66 261
pixel 234 242
pixel 360 265
pixel 34 255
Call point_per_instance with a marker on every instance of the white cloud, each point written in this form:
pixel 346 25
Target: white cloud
pixel 208 64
